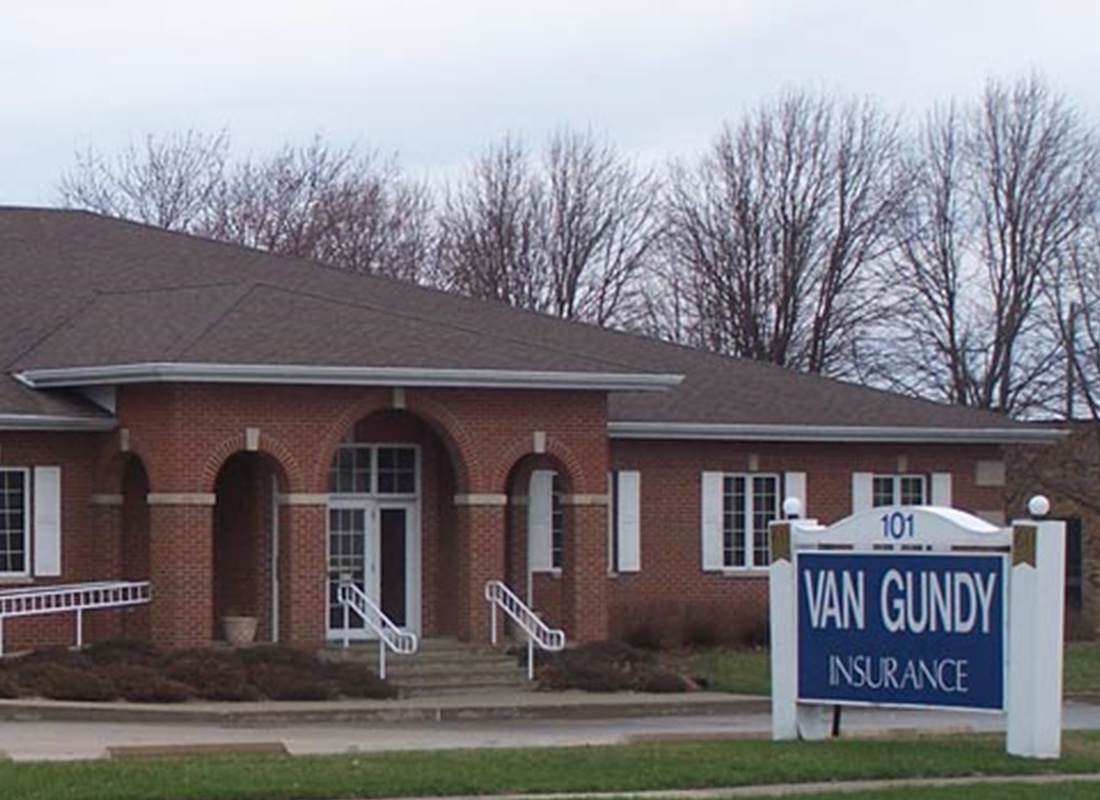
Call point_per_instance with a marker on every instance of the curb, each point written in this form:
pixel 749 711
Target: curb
pixel 395 711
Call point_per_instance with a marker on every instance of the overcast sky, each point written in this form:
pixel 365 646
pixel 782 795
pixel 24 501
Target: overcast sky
pixel 435 81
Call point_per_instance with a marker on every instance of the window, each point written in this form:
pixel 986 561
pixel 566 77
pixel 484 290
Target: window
pixel 30 522
pixel 749 503
pixel 14 507
pixel 899 490
pixel 736 510
pixel 557 524
pixel 870 490
pixel 372 469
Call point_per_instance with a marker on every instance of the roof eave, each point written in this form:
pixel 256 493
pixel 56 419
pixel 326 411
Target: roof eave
pixel 55 422
pixel 118 374
pixel 832 433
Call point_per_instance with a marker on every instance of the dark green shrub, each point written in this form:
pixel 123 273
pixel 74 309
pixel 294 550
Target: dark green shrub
pixel 276 654
pixel 608 667
pixel 661 681
pixel 9 683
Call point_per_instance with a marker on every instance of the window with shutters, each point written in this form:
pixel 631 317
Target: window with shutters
pixel 14 522
pixel 749 502
pixel 899 490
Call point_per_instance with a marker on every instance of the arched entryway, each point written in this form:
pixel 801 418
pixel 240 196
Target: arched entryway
pixel 391 525
pixel 538 524
pixel 246 545
pixel 134 543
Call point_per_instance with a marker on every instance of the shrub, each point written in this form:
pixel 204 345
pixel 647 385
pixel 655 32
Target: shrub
pixel 123 651
pixel 212 675
pixel 607 667
pixel 284 682
pixel 141 684
pixel 276 654
pixel 353 679
pixel 9 683
pixel 63 682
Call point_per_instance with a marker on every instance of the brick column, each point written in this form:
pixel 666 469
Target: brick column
pixel 481 557
pixel 182 569
pixel 105 520
pixel 584 573
pixel 303 570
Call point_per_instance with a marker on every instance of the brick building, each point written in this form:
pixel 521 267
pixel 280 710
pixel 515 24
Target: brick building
pixel 244 430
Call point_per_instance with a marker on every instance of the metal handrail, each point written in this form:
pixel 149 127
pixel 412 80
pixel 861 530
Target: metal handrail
pixel 390 635
pixel 70 597
pixel 498 595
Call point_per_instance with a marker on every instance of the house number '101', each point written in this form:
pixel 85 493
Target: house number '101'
pixel 897 525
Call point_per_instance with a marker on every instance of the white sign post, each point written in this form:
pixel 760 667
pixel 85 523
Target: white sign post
pixel 920 607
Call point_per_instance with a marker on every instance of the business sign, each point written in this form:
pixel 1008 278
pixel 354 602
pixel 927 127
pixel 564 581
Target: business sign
pixel 904 628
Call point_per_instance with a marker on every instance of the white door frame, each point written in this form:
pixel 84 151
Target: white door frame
pixel 372 507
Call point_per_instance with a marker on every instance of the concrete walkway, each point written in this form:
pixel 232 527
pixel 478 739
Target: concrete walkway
pixel 45 730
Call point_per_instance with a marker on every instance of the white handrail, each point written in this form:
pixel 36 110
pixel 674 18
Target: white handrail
pixel 66 597
pixel 390 635
pixel 498 595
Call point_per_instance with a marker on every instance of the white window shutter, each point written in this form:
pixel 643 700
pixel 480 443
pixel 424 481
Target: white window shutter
pixel 611 567
pixel 47 521
pixel 629 533
pixel 711 508
pixel 540 511
pixel 941 489
pixel 794 485
pixel 863 486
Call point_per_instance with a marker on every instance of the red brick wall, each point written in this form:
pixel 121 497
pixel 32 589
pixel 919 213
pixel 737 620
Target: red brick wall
pixel 672 595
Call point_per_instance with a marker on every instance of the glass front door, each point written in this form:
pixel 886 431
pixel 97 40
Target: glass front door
pixel 371 544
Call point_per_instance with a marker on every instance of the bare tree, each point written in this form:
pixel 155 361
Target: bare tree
pixel 770 239
pixel 333 204
pixel 170 181
pixel 1005 189
pixel 569 234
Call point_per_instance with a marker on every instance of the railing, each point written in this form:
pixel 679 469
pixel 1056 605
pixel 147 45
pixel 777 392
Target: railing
pixel 390 636
pixel 74 597
pixel 498 595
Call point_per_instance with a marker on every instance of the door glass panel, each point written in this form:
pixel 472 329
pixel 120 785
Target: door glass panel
pixel 346 557
pixel 394 531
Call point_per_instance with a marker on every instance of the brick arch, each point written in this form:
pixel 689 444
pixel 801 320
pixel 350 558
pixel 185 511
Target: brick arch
pixel 110 464
pixel 455 436
pixel 521 448
pixel 270 446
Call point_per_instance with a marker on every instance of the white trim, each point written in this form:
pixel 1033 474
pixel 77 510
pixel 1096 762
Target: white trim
pixel 711 519
pixel 829 433
pixel 47 522
pixel 105 500
pixel 939 489
pixel 59 422
pixel 164 372
pixel 863 491
pixel 584 499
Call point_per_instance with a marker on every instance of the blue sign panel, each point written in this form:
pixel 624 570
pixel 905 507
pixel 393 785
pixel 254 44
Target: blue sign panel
pixel 901 629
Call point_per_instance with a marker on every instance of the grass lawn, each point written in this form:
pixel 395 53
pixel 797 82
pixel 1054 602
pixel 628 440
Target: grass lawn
pixel 747 671
pixel 585 769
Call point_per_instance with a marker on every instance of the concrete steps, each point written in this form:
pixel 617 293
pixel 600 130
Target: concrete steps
pixel 445 667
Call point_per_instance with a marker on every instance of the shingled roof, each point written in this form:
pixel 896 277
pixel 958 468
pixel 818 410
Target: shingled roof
pixel 89 299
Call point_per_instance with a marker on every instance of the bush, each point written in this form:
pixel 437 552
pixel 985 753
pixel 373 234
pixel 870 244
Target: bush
pixel 9 683
pixel 608 667
pixel 212 675
pixel 353 679
pixel 63 682
pixel 284 682
pixel 123 651
pixel 141 684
